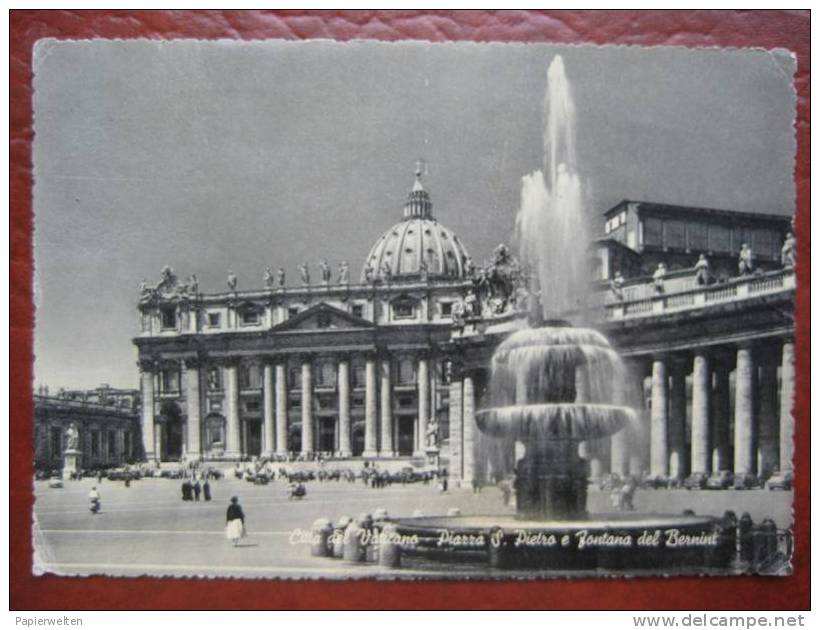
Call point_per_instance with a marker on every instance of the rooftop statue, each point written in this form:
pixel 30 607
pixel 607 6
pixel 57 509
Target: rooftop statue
pixel 745 260
pixel 344 273
pixel 702 273
pixel 325 270
pixel 304 270
pixel 268 277
pixel 232 281
pixel 658 277
pixel 616 285
pixel 280 277
pixel 368 273
pixel 193 285
pixel 788 253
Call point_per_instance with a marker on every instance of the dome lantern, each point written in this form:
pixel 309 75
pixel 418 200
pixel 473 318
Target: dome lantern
pixel 418 204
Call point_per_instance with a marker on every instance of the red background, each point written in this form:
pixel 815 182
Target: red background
pixel 768 29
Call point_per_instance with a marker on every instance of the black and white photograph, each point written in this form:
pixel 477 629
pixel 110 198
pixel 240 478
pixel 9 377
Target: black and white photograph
pixel 410 310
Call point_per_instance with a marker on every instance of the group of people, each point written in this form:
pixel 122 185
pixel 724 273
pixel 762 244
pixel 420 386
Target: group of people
pixel 192 489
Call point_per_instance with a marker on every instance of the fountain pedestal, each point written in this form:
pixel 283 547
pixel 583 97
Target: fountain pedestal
pixel 551 482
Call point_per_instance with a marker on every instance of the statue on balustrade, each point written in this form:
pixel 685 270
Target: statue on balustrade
pixel 658 277
pixel 344 273
pixel 501 278
pixel 280 277
pixel 387 271
pixel 304 271
pixel 232 281
pixel 368 273
pixel 788 253
pixel 268 278
pixel 193 285
pixel 72 437
pixel 423 270
pixel 325 270
pixel 702 272
pixel 745 261
pixel 616 286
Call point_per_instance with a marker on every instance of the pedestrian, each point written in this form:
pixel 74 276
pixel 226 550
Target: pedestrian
pixel 206 490
pixel 99 477
pixel 235 522
pixel 197 490
pixel 186 490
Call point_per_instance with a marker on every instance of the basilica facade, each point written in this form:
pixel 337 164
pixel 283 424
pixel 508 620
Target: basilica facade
pixel 393 363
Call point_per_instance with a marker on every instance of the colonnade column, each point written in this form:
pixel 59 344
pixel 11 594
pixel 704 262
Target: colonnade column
pixel 307 406
pixel 745 450
pixel 786 401
pixel 469 429
pixel 455 413
pixel 343 376
pixel 232 437
pixel 677 422
pixel 619 443
pixel 768 447
pixel 721 417
pixel 281 417
pixel 386 449
pixel 147 378
pixel 370 409
pixel 194 415
pixel 268 410
pixel 424 406
pixel 701 428
pixel 659 450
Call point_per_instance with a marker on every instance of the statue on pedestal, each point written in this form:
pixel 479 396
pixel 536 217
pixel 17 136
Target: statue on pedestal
pixel 193 285
pixel 702 270
pixel 344 273
pixel 658 277
pixel 268 277
pixel 71 454
pixel 432 434
pixel 280 277
pixel 616 285
pixel 304 270
pixel 72 437
pixel 788 252
pixel 745 260
pixel 232 281
pixel 325 271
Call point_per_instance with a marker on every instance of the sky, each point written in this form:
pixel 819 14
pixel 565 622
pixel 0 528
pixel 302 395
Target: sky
pixel 218 156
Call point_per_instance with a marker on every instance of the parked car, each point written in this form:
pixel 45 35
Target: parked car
pixel 780 480
pixel 721 480
pixel 746 481
pixel 696 481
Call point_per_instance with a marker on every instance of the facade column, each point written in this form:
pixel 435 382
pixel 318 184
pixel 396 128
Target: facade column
pixel 370 409
pixel 721 418
pixel 745 448
pixel 343 376
pixel 307 406
pixel 281 418
pixel 786 401
pixel 455 413
pixel 677 422
pixel 701 427
pixel 147 378
pixel 386 411
pixel 659 420
pixel 469 429
pixel 268 410
pixel 424 406
pixel 768 446
pixel 194 415
pixel 233 433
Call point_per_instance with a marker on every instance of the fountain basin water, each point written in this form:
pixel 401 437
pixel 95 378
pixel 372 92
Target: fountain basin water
pixel 554 421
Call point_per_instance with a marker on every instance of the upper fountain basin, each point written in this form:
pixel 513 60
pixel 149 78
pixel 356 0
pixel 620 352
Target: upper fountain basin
pixel 554 421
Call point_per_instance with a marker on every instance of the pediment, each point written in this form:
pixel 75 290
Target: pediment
pixel 323 317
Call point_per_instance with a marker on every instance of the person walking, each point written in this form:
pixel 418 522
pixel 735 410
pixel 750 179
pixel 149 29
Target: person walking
pixel 197 489
pixel 235 522
pixel 206 490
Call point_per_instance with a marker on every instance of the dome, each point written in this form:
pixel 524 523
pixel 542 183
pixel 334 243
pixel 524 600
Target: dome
pixel 416 242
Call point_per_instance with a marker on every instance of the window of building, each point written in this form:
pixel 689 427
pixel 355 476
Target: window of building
pixel 95 443
pixel 169 381
pixel 653 232
pixel 325 374
pixel 359 374
pixel 294 378
pixel 112 442
pixel 407 401
pixel 253 405
pixel 250 317
pixel 403 309
pixel 720 238
pixel 214 320
pixel 697 236
pixel 675 234
pixel 250 377
pixel 446 309
pixel 357 401
pixel 295 403
pixel 405 371
pixel 168 317
pixel 126 442
pixel 357 310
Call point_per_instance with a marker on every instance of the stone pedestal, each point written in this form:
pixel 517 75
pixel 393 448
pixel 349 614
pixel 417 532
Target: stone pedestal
pixel 72 463
pixel 551 481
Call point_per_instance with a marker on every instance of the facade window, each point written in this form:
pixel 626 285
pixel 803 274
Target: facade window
pixel 357 310
pixel 252 405
pixel 295 403
pixel 112 443
pixel 250 317
pixel 294 378
pixel 407 401
pixel 675 234
pixel 249 377
pixel 214 320
pixel 653 232
pixel 446 309
pixel 405 371
pixel 357 401
pixel 168 317
pixel 720 239
pixel 169 381
pixel 325 374
pixel 697 236
pixel 95 443
pixel 403 309
pixel 359 375
pixel 214 379
pixel 127 446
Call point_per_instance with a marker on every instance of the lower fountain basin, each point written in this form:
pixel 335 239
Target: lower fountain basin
pixel 554 421
pixel 614 542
